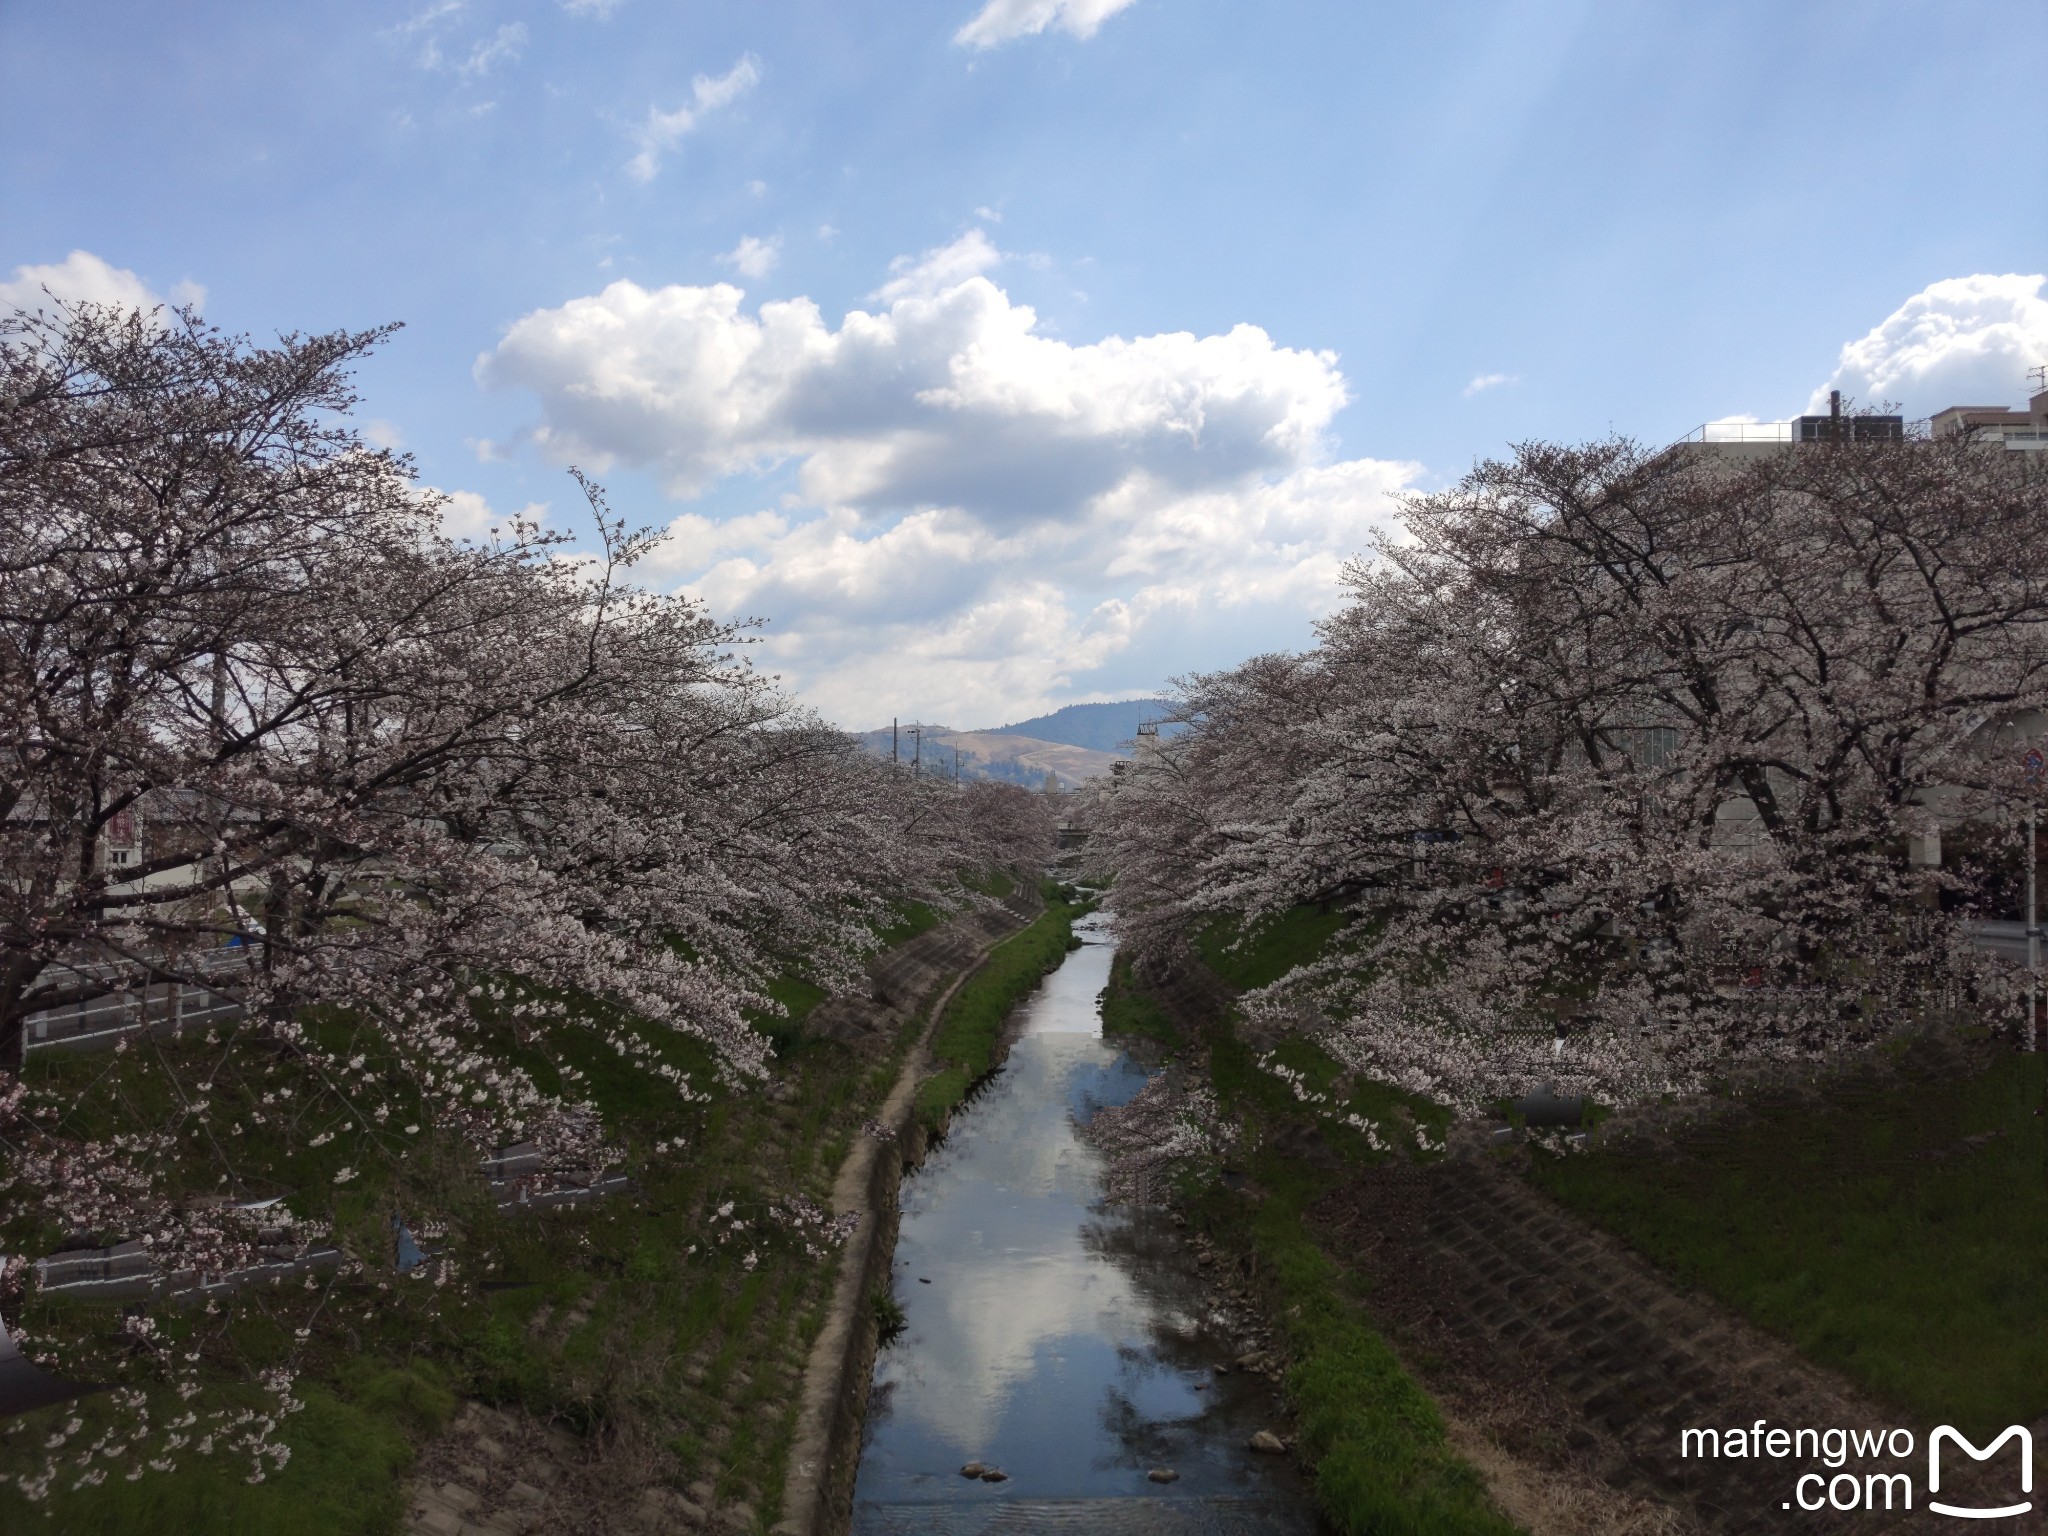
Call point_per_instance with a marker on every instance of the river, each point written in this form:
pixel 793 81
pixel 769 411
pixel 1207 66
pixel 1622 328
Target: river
pixel 1072 1346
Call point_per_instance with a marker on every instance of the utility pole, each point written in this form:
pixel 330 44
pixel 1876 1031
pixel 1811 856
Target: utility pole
pixel 917 751
pixel 893 759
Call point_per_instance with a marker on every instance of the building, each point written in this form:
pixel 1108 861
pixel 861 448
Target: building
pixel 1760 439
pixel 2023 431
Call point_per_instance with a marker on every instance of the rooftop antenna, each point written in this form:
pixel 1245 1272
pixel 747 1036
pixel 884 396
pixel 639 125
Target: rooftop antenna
pixel 2039 376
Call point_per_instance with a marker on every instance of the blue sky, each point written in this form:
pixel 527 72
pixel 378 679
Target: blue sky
pixel 1155 304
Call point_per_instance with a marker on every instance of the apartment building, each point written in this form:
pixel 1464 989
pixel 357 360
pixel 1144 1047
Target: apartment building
pixel 2020 431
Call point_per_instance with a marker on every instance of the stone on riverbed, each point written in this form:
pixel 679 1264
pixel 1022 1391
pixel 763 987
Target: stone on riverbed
pixel 995 1475
pixel 973 1469
pixel 1163 1475
pixel 1268 1443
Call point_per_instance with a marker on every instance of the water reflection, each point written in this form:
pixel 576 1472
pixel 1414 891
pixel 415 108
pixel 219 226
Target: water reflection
pixel 1070 1346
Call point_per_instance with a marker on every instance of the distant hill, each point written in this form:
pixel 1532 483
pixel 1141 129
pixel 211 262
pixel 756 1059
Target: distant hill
pixel 1006 755
pixel 1099 727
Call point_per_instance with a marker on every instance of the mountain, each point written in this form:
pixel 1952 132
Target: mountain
pixel 1005 755
pixel 1081 741
pixel 1099 727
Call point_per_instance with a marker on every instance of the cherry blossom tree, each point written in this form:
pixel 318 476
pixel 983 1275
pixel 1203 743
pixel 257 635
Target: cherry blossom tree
pixel 370 754
pixel 265 729
pixel 1628 766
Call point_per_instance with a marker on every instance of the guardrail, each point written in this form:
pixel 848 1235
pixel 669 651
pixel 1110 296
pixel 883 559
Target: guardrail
pixel 161 1007
pixel 125 1272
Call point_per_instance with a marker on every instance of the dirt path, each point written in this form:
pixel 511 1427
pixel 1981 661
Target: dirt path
pixel 834 1390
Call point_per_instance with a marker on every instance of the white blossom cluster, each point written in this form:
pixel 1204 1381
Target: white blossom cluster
pixel 1625 766
pixel 1170 1127
pixel 265 730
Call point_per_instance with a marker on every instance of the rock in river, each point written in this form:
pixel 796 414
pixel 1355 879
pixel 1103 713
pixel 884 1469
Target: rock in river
pixel 1268 1442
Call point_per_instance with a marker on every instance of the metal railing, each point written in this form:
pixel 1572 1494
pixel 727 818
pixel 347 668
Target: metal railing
pixel 122 1011
pixel 1740 432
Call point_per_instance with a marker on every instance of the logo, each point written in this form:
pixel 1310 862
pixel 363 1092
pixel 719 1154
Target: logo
pixel 1946 1432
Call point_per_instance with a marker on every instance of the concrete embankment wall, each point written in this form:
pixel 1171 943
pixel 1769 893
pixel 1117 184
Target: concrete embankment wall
pixel 825 1455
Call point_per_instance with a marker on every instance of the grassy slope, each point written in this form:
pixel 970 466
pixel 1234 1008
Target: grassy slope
pixel 972 1025
pixel 1270 951
pixel 1896 1230
pixel 378 1382
pixel 1372 1435
pixel 1872 1232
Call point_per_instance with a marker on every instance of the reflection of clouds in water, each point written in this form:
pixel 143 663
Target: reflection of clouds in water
pixel 1019 1171
pixel 1018 1141
pixel 1149 1256
pixel 992 1336
pixel 1108 1085
pixel 1096 928
pixel 1067 1002
pixel 1057 1339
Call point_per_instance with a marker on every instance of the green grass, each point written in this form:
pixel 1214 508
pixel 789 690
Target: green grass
pixel 342 1479
pixel 890 1318
pixel 971 1027
pixel 912 918
pixel 1870 1230
pixel 1269 950
pixel 381 1370
pixel 1128 1009
pixel 998 883
pixel 1373 1436
pixel 1370 1433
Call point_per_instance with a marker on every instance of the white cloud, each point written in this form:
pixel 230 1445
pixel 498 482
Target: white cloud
pixel 467 515
pixel 944 266
pixel 1002 21
pixel 1485 381
pixel 425 17
pixel 986 519
pixel 501 47
pixel 753 257
pixel 82 278
pixel 601 9
pixel 662 131
pixel 946 397
pixel 486 54
pixel 379 433
pixel 1960 341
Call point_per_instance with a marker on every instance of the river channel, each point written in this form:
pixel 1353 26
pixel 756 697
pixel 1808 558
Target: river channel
pixel 1071 1345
